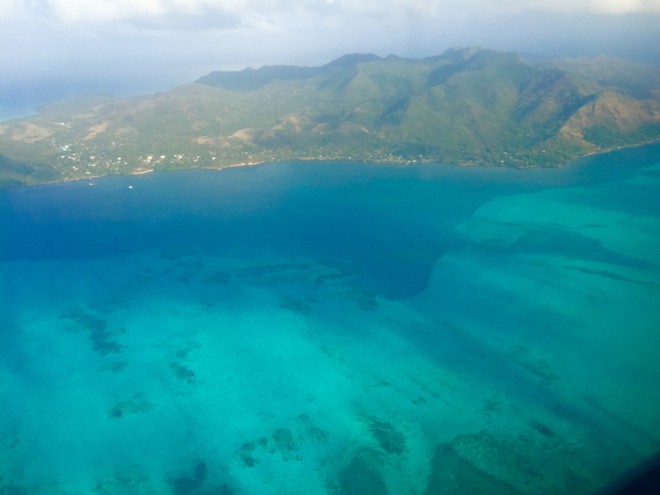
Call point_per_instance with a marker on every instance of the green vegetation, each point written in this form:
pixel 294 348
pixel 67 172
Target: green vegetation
pixel 466 106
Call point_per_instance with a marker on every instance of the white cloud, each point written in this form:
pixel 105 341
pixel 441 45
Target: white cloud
pixel 592 6
pixel 267 13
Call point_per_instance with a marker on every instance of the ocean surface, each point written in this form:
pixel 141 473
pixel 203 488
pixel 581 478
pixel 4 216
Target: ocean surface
pixel 332 328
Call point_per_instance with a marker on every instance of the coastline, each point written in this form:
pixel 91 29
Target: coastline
pixel 387 162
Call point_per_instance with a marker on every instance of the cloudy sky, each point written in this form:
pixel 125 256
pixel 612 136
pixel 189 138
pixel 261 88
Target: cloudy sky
pixel 56 48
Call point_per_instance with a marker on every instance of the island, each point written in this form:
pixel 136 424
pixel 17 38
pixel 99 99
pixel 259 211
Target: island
pixel 467 106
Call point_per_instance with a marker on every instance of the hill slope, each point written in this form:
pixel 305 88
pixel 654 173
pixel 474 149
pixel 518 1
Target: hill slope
pixel 467 106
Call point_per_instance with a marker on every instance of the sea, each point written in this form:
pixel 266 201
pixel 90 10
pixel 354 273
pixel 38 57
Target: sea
pixel 332 328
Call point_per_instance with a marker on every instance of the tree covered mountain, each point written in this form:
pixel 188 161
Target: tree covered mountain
pixel 466 106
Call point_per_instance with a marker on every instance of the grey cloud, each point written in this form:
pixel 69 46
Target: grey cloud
pixel 206 19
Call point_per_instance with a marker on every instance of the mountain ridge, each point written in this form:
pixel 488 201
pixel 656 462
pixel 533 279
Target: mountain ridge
pixel 465 106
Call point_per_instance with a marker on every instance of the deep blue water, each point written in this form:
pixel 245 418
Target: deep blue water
pixel 353 212
pixel 359 328
pixel 358 212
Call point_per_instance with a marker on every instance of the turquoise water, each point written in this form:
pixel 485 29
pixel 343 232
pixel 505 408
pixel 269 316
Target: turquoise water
pixel 332 328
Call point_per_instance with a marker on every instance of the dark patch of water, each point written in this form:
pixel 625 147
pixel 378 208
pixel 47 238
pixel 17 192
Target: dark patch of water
pixel 394 222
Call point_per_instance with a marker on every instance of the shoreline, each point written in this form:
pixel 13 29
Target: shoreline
pixel 402 162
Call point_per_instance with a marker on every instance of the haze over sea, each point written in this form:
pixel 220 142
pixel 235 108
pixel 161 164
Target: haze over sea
pixel 332 328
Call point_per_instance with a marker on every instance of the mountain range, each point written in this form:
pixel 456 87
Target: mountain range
pixel 467 106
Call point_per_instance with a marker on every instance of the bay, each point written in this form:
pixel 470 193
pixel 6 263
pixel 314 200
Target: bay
pixel 331 327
